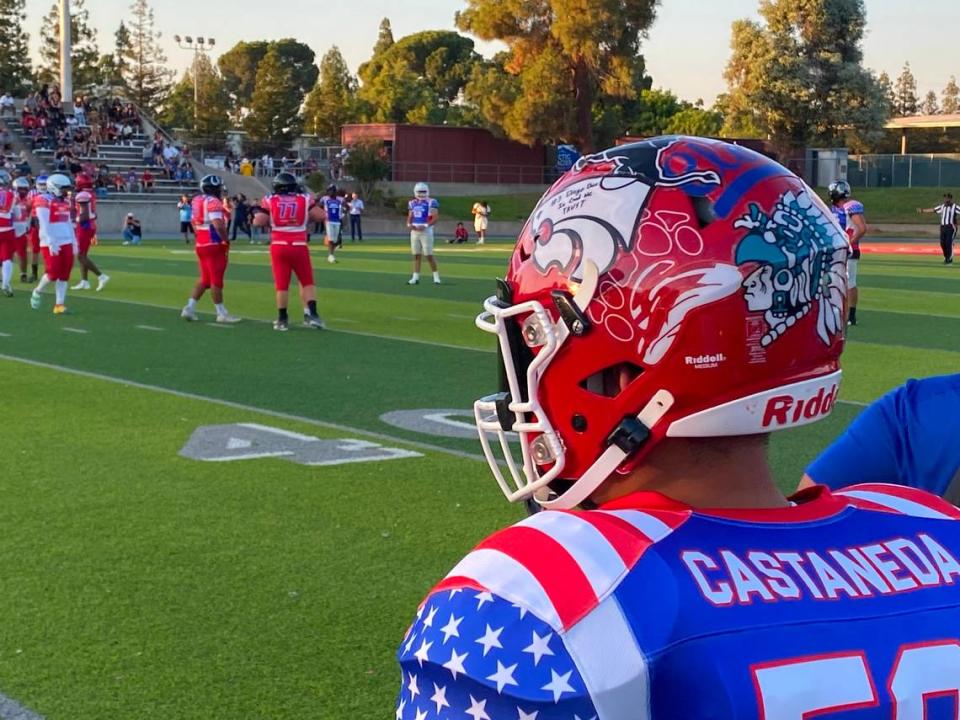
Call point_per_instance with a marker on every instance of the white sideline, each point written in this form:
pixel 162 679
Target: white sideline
pixel 245 408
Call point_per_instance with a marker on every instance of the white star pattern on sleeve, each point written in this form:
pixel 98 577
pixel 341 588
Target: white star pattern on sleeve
pixel 421 715
pixel 400 706
pixel 490 639
pixel 439 697
pixel 521 715
pixel 428 622
pixel 452 628
pixel 503 676
pixel 483 597
pixel 421 653
pixel 477 709
pixel 412 686
pixel 455 663
pixel 559 684
pixel 539 647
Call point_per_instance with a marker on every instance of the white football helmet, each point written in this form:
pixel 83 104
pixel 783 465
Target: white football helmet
pixel 21 183
pixel 40 183
pixel 58 184
pixel 421 190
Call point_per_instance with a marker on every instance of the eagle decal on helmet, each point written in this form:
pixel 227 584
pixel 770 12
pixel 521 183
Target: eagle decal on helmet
pixel 802 256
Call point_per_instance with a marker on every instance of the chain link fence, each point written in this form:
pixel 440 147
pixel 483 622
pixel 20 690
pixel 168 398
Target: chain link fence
pixel 904 170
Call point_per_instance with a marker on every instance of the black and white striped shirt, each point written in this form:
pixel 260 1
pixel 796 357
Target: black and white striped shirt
pixel 948 213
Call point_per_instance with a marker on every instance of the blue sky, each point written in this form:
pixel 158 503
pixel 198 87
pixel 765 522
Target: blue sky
pixel 686 52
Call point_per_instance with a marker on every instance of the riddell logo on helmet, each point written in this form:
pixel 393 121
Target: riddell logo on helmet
pixel 787 409
pixel 705 361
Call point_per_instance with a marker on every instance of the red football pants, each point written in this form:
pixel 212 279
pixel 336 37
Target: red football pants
pixel 213 264
pixel 58 266
pixel 287 259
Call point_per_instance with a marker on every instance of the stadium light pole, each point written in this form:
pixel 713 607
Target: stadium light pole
pixel 198 46
pixel 66 50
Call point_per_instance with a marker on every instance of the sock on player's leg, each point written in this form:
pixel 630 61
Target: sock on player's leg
pixel 191 303
pixel 6 274
pixel 436 276
pixel 312 307
pixel 221 309
pixel 44 281
pixel 853 314
pixel 61 292
pixel 282 314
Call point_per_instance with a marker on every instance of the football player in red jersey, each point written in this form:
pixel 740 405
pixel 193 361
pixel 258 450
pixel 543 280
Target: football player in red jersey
pixel 669 304
pixel 7 234
pixel 58 240
pixel 85 212
pixel 33 234
pixel 212 248
pixel 21 222
pixel 288 212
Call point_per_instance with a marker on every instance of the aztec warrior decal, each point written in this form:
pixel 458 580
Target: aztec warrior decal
pixel 791 260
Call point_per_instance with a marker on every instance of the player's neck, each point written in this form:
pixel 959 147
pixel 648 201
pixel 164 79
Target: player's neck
pixel 704 473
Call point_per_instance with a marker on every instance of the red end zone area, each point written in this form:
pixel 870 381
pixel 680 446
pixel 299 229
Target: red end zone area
pixel 904 248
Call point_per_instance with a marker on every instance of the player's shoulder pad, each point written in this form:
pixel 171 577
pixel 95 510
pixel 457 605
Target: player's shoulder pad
pixel 900 500
pixel 472 652
pixel 561 565
pixel 83 196
pixel 853 207
pixel 434 203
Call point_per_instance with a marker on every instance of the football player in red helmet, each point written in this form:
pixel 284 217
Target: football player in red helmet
pixel 85 213
pixel 668 305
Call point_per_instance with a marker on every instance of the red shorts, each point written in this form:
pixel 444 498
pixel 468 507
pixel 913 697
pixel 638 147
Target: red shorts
pixel 34 235
pixel 20 246
pixel 85 238
pixel 213 264
pixel 58 266
pixel 8 245
pixel 287 259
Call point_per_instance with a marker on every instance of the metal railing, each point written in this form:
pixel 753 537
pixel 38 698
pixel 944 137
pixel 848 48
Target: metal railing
pixel 935 170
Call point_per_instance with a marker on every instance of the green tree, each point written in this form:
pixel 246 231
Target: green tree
pixel 798 76
pixel 492 92
pixel 85 55
pixel 930 106
pixel 15 71
pixel 384 37
pixel 367 164
pixel 333 101
pixel 239 67
pixel 695 121
pixel 145 71
pixel 654 110
pixel 113 67
pixel 212 120
pixel 951 97
pixel 905 100
pixel 429 69
pixel 274 116
pixel 594 51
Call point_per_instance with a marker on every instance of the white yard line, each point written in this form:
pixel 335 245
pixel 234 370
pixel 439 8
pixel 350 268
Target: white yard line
pixel 78 331
pixel 149 327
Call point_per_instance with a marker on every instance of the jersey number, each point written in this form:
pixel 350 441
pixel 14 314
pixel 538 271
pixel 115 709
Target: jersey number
pixel 803 687
pixel 287 210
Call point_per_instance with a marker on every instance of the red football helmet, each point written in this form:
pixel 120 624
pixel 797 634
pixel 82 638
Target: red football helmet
pixel 677 287
pixel 83 182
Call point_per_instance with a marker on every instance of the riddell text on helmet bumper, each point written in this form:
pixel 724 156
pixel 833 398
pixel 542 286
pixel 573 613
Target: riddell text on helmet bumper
pixel 788 409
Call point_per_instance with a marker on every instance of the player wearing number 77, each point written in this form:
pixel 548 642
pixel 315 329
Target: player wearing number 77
pixel 669 304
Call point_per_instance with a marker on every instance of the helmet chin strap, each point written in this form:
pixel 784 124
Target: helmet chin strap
pixel 588 286
pixel 611 458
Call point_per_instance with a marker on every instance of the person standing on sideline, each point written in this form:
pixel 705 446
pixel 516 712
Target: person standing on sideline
pixel 849 214
pixel 481 210
pixel 288 211
pixel 85 213
pixel 58 241
pixel 186 227
pixel 210 230
pixel 333 214
pixel 356 212
pixel 948 225
pixel 422 215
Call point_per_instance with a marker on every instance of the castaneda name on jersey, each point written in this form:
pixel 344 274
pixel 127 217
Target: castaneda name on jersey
pixel 894 566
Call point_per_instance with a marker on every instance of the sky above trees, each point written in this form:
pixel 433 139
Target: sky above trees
pixel 686 52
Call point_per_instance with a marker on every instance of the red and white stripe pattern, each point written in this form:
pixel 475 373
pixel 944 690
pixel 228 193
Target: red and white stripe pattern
pixel 561 565
pixel 899 499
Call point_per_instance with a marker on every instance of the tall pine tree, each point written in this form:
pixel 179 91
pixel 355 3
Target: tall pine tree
pixel 951 97
pixel 930 105
pixel 332 103
pixel 384 37
pixel 274 117
pixel 85 55
pixel 15 71
pixel 905 100
pixel 146 75
pixel 211 120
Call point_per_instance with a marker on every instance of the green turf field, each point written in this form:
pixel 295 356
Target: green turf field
pixel 144 584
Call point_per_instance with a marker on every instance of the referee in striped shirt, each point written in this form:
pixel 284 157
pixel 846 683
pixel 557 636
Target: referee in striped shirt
pixel 948 225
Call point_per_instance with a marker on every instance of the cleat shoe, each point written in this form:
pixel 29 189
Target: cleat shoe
pixel 36 299
pixel 188 314
pixel 82 285
pixel 59 309
pixel 23 277
pixel 413 281
pixel 228 318
pixel 436 282
pixel 331 259
pixel 314 321
pixel 280 325
pixel 32 279
pixel 7 292
pixel 102 282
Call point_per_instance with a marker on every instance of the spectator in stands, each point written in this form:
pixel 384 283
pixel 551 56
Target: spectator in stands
pixel 186 214
pixel 103 175
pixel 8 105
pixel 132 231
pixel 133 181
pixel 119 183
pixel 156 150
pixel 146 181
pixel 79 110
pixel 246 168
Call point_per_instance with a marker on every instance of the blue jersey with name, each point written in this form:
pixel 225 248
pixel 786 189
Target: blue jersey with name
pixel 843 212
pixel 334 209
pixel 909 437
pixel 843 606
pixel 420 209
